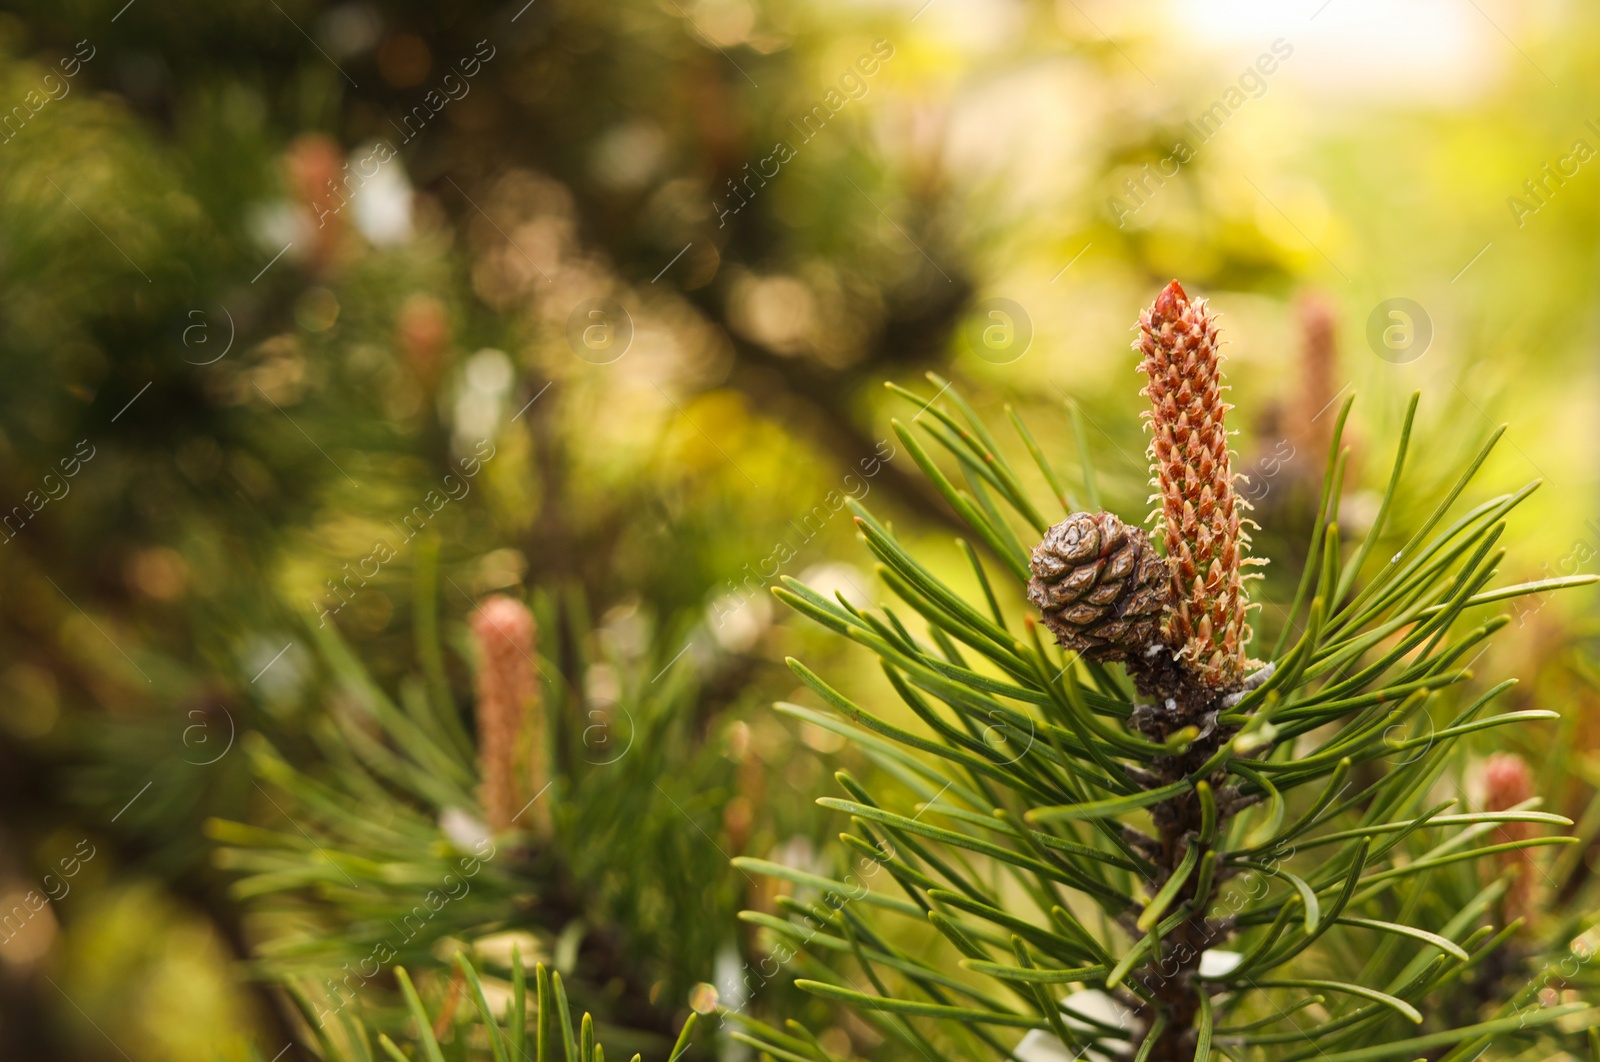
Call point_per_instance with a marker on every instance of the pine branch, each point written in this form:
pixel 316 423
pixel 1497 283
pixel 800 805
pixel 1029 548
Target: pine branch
pixel 400 844
pixel 1192 859
pixel 499 1022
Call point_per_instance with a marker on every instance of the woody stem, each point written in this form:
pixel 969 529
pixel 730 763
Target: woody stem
pixel 1170 976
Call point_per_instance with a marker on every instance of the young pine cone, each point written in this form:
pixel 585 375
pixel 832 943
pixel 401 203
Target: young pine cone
pixel 1101 586
pixel 1508 782
pixel 1201 523
pixel 508 713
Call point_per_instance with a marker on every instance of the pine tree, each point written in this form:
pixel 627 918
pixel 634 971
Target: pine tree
pixel 412 841
pixel 1142 842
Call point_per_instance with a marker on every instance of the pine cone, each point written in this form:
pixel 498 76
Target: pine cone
pixel 1507 782
pixel 1101 586
pixel 1201 524
pixel 507 710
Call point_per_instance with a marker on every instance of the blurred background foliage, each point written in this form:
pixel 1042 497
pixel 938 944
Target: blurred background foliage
pixel 233 370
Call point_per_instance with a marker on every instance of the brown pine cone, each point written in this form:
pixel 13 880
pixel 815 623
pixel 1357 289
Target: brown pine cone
pixel 1101 586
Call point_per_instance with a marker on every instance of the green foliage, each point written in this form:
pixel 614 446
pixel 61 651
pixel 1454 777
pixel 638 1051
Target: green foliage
pixel 377 856
pixel 135 249
pixel 480 1030
pixel 1038 843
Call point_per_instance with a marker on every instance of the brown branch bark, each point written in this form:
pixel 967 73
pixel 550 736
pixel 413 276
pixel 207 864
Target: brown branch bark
pixel 1170 978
